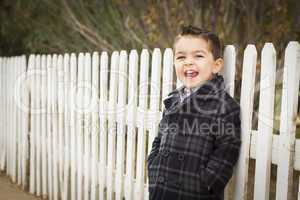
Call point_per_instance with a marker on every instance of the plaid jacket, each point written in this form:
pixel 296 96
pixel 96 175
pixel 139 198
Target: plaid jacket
pixel 197 145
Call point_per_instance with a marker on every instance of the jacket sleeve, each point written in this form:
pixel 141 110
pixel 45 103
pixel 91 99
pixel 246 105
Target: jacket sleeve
pixel 156 142
pixel 219 168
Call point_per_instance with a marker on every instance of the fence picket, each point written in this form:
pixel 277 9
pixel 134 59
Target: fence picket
pixel 103 124
pixel 246 102
pixel 94 124
pixel 31 71
pixel 43 111
pixel 14 119
pixel 2 117
pixel 87 123
pixel 121 128
pixel 154 95
pixel 167 84
pixel 131 131
pixel 228 70
pixel 60 119
pixel 141 130
pixel 66 125
pixel 17 99
pixel 38 123
pixel 289 103
pixel 79 124
pixel 265 123
pixel 24 103
pixel 49 127
pixel 54 115
pixel 71 101
pixel 111 156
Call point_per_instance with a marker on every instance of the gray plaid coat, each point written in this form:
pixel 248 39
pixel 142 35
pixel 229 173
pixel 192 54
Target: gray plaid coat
pixel 197 145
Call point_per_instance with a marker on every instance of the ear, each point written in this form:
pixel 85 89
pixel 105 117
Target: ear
pixel 218 65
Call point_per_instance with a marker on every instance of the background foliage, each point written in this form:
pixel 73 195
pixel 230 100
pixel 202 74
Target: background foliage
pixel 58 26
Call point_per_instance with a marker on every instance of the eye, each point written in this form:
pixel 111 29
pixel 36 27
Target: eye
pixel 199 56
pixel 180 57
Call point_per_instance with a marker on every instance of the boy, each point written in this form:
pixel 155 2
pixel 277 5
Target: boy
pixel 198 141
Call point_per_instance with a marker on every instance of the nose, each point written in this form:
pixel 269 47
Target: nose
pixel 188 61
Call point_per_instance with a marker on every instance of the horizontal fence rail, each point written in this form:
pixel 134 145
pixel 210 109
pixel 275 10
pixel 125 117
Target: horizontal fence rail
pixel 81 126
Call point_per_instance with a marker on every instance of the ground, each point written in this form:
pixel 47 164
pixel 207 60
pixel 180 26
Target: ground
pixel 10 191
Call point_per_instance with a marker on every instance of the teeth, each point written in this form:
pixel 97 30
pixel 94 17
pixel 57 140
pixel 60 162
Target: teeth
pixel 190 71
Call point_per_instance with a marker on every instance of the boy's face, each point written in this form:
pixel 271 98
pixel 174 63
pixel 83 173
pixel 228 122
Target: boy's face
pixel 194 61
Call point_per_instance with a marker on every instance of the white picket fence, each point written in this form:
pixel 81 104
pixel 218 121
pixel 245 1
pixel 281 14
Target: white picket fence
pixel 81 127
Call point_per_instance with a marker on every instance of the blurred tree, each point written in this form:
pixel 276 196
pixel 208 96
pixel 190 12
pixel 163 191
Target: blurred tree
pixel 41 26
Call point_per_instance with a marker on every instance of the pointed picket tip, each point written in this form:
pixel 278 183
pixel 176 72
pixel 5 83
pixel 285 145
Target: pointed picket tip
pixel 168 55
pixel 49 61
pixel 95 58
pixel 104 56
pixel 80 55
pixel 87 55
pixel 156 58
pixel 66 55
pixel 229 48
pixel 268 58
pixel 156 51
pixel 145 52
pixel 87 60
pixel 291 53
pixel 115 54
pixel 60 57
pixel 292 46
pixel 229 51
pixel 268 48
pixel 251 48
pixel 31 62
pixel 80 59
pixel 250 54
pixel 73 55
pixel 168 51
pixel 103 62
pixel 104 53
pixel 60 62
pixel 95 53
pixel 123 54
pixel 123 61
pixel 133 53
pixel 144 58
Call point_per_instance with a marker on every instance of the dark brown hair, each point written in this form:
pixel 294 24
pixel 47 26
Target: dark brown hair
pixel 212 38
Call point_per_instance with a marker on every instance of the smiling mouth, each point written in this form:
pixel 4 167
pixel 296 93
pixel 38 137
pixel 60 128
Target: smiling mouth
pixel 190 73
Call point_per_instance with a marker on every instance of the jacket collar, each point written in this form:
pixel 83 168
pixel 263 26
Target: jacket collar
pixel 208 89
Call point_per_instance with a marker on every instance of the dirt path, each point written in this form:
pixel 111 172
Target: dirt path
pixel 10 191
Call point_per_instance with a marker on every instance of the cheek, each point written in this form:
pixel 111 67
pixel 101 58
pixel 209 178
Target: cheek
pixel 178 68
